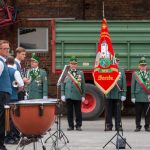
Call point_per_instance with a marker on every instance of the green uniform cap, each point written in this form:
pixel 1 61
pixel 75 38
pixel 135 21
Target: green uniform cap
pixel 142 61
pixel 117 56
pixel 34 57
pixel 73 59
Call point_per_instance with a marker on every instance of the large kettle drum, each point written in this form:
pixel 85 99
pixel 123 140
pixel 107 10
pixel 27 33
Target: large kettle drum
pixel 33 117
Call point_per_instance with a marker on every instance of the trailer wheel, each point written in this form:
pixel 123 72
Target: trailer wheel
pixel 93 106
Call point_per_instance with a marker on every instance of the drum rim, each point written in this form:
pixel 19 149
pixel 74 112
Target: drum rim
pixel 34 102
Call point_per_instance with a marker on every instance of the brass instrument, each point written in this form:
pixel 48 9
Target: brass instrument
pixel 15 84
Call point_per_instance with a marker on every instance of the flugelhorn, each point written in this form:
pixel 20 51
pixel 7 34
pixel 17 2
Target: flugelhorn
pixel 15 84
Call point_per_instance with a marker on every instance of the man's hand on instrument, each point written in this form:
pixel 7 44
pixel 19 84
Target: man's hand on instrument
pixel 123 98
pixel 83 99
pixel 63 98
pixel 26 80
pixel 20 88
pixel 133 100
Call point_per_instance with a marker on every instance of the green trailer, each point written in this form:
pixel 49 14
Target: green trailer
pixel 130 39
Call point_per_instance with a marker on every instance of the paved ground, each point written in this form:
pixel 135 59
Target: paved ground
pixel 93 137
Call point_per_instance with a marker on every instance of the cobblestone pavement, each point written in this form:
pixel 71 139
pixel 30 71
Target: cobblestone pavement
pixel 93 137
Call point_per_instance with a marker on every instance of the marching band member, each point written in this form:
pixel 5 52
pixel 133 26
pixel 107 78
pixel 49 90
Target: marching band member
pixel 15 77
pixel 140 86
pixel 37 88
pixel 17 84
pixel 73 93
pixel 20 56
pixel 5 88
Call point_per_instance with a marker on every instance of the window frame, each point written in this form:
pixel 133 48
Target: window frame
pixel 38 49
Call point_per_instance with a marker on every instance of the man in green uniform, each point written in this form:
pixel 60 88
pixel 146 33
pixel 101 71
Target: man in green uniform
pixel 73 93
pixel 140 93
pixel 38 86
pixel 113 102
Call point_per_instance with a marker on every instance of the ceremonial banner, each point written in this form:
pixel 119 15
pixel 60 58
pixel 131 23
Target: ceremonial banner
pixel 105 73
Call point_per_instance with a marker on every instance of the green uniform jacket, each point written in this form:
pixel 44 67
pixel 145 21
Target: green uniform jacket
pixel 69 89
pixel 38 87
pixel 115 93
pixel 137 91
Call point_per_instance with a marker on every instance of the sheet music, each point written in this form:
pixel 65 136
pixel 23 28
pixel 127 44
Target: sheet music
pixel 63 75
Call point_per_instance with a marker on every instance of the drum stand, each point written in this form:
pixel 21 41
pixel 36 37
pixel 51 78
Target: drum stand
pixel 119 136
pixel 24 140
pixel 58 137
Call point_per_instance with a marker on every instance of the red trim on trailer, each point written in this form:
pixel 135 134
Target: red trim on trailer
pixel 128 77
pixel 53 44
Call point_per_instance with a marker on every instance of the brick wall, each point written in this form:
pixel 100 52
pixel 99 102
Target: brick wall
pixel 85 9
pixel 78 9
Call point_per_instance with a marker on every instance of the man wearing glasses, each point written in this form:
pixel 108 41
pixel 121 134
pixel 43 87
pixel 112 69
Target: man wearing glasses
pixel 5 88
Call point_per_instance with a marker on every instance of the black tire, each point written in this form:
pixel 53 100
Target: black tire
pixel 98 103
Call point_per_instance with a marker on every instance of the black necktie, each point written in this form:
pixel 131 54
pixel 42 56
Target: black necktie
pixel 143 73
pixel 73 72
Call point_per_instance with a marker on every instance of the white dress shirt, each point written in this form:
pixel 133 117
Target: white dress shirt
pixel 35 69
pixel 17 76
pixel 2 65
pixel 18 61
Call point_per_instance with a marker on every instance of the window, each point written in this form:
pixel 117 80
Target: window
pixel 33 39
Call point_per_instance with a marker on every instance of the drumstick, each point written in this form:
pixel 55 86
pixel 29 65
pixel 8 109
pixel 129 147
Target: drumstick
pixel 7 118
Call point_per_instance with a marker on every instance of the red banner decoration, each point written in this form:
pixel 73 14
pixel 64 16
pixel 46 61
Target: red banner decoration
pixel 106 72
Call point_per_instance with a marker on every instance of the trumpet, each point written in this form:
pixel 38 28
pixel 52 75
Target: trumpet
pixel 15 84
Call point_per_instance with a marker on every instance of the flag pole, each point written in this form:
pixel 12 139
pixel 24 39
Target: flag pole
pixel 103 10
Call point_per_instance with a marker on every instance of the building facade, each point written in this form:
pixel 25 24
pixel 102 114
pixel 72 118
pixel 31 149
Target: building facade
pixel 32 14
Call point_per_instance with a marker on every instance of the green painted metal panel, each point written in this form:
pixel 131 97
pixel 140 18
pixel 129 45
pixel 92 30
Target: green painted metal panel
pixel 131 40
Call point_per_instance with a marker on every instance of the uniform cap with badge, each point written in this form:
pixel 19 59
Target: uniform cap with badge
pixel 35 57
pixel 117 57
pixel 142 61
pixel 73 59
